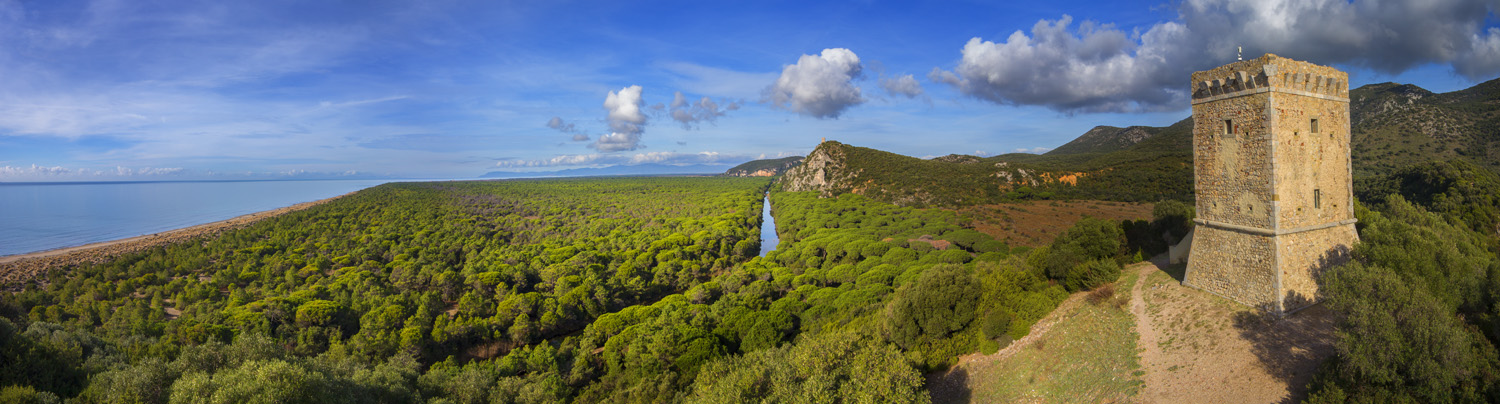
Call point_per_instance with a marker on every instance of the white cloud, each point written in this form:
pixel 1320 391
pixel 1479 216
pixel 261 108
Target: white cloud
pixel 1093 67
pixel 558 124
pixel 600 159
pixel 689 114
pixel 1034 150
pixel 626 121
pixel 906 86
pixel 1097 69
pixel 59 173
pixel 819 86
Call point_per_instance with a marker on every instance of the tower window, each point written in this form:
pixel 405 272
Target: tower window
pixel 1314 125
pixel 1228 128
pixel 1317 198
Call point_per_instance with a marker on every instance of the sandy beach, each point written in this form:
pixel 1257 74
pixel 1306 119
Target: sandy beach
pixel 17 270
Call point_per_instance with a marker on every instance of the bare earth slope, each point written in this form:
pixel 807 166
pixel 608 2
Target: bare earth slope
pixel 1191 347
pixel 1200 348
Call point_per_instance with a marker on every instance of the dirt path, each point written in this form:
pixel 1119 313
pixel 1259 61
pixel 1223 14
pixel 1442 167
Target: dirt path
pixel 1199 348
pixel 1192 347
pixel 953 385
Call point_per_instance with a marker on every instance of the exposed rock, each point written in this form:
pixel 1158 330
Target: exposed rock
pixel 824 170
pixel 764 168
pixel 958 158
pixel 1105 139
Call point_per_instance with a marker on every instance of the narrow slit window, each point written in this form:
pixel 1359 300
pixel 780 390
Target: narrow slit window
pixel 1228 128
pixel 1315 125
pixel 1317 198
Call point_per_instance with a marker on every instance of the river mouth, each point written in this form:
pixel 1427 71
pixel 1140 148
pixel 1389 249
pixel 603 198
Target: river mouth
pixel 768 237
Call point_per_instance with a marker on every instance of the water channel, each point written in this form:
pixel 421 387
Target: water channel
pixel 768 237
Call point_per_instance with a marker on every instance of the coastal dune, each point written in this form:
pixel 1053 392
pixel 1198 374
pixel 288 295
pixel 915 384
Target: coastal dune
pixel 18 270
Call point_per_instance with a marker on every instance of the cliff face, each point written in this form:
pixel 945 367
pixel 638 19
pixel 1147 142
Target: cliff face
pixel 825 170
pixel 764 168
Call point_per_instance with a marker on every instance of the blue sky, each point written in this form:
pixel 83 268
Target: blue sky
pixel 118 90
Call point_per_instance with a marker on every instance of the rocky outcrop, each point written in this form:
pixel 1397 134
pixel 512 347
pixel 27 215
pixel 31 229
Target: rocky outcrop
pixel 825 170
pixel 957 158
pixel 764 168
pixel 1103 139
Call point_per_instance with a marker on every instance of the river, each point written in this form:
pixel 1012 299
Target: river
pixel 768 237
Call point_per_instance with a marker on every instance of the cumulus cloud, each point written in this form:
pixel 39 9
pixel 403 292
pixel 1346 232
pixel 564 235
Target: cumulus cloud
pixel 1094 67
pixel 626 121
pixel 36 170
pixel 819 86
pixel 557 123
pixel 1034 150
pixel 689 114
pixel 55 173
pixel 906 86
pixel 598 159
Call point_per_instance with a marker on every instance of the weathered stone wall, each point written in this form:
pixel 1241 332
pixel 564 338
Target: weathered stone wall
pixel 1304 258
pixel 1312 164
pixel 1232 170
pixel 1274 191
pixel 1233 264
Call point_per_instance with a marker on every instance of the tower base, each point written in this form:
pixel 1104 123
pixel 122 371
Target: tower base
pixel 1276 271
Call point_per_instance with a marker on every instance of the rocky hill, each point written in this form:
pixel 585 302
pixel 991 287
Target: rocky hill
pixel 835 168
pixel 764 168
pixel 1394 126
pixel 1399 125
pixel 1106 139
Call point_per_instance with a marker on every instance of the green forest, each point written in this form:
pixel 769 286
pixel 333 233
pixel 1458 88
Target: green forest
pixel 645 290
pixel 1420 303
pixel 576 290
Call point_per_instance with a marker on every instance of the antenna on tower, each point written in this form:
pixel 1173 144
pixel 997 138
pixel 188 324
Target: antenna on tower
pixel 1239 53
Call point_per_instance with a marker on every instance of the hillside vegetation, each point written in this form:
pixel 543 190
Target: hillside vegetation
pixel 629 290
pixel 1393 126
pixel 764 168
pixel 1152 170
pixel 349 301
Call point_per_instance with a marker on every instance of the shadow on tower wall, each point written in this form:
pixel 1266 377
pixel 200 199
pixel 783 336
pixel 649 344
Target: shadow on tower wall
pixel 1290 346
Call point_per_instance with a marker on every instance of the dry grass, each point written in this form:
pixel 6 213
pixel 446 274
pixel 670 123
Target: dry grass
pixel 1087 356
pixel 1036 223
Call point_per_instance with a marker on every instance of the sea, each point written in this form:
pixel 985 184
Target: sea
pixel 45 216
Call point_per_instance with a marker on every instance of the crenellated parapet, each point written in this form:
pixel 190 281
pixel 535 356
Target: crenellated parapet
pixel 1272 179
pixel 1270 73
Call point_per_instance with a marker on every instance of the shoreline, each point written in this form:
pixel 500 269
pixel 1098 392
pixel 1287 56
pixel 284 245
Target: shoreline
pixel 19 269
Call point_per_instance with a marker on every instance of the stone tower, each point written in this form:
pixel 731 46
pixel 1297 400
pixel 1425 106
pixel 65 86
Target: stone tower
pixel 1272 175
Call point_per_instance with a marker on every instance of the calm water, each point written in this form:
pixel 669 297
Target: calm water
pixel 36 217
pixel 768 237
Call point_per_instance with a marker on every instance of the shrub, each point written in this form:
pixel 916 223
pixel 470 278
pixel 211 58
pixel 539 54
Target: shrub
pixel 991 246
pixel 1397 340
pixel 317 312
pixel 1088 240
pixel 955 257
pixel 996 324
pixel 1092 274
pixel 939 303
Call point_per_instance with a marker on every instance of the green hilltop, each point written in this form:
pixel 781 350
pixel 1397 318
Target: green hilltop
pixel 1393 125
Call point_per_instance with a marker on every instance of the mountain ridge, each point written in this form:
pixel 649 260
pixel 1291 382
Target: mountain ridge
pixel 763 167
pixel 1392 126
